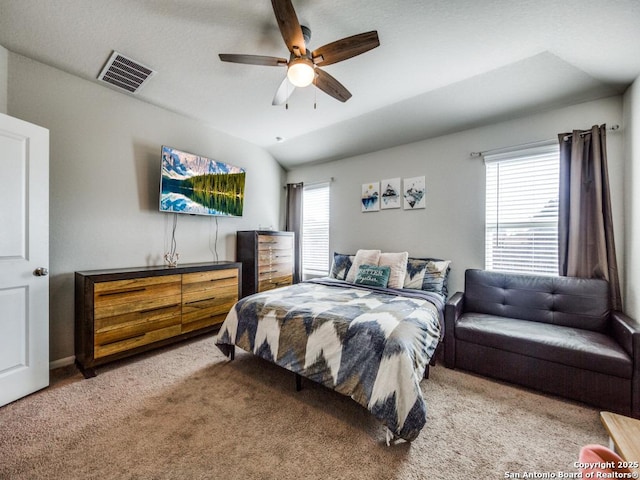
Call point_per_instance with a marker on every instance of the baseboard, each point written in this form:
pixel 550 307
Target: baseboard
pixel 62 362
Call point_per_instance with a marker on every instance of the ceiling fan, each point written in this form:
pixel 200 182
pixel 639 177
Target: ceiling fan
pixel 302 66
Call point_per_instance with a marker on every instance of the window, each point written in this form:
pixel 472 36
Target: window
pixel 315 229
pixel 521 230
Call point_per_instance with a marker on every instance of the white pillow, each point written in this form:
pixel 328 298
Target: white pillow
pixel 363 257
pixel 398 264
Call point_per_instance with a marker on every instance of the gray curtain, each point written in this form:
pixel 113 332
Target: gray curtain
pixel 293 223
pixel 585 226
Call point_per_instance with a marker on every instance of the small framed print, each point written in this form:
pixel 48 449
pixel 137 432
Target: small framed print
pixel 414 193
pixel 370 197
pixel 390 193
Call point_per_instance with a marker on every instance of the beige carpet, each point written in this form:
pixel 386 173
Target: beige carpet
pixel 184 412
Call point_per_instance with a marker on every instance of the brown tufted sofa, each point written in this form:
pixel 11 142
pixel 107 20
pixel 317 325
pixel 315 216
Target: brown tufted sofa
pixel 553 334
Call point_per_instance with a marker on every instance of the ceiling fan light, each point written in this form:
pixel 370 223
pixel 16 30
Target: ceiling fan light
pixel 301 73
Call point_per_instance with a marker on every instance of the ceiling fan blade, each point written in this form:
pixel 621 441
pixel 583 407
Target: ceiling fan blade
pixel 283 93
pixel 289 26
pixel 253 59
pixel 346 48
pixel 331 86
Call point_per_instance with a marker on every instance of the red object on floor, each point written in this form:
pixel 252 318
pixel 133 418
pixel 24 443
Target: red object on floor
pixel 596 458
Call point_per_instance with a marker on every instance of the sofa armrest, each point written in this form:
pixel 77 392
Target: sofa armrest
pixel 626 331
pixel 452 311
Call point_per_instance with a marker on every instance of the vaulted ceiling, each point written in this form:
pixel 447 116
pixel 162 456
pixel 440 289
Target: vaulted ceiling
pixel 442 65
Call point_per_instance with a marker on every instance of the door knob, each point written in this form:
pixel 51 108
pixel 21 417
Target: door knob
pixel 41 272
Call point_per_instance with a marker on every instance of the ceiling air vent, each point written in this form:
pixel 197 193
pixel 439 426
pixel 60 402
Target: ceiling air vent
pixel 124 73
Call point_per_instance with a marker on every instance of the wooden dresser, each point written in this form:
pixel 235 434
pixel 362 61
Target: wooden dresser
pixel 267 259
pixel 122 312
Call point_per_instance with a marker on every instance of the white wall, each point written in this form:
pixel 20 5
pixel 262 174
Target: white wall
pixel 4 69
pixel 105 170
pixel 452 225
pixel 105 174
pixel 632 198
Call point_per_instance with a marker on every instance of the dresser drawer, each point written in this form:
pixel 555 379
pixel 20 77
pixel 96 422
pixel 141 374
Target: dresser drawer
pixel 276 270
pixel 207 297
pixel 103 350
pixel 275 242
pixel 275 282
pixel 272 257
pixel 132 324
pixel 138 294
pixel 133 312
pixel 274 278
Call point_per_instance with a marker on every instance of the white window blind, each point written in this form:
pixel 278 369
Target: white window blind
pixel 521 233
pixel 315 229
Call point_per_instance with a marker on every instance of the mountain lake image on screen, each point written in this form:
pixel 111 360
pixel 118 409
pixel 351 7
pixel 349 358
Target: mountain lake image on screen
pixel 198 185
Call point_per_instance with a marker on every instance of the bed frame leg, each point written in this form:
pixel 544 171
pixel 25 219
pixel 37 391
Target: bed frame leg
pixel 437 352
pixel 298 382
pixel 432 360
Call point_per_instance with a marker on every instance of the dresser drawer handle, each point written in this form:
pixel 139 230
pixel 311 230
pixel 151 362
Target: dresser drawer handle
pixel 120 292
pixel 140 335
pixel 158 308
pixel 198 301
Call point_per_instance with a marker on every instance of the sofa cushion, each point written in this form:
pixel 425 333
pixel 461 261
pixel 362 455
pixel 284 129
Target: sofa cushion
pixel 568 301
pixel 576 347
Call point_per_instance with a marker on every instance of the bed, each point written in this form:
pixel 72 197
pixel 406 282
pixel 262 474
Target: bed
pixel 368 342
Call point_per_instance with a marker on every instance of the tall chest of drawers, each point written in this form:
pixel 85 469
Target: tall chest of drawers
pixel 267 259
pixel 127 311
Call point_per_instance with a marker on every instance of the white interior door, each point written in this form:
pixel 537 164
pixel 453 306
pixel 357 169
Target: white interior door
pixel 24 258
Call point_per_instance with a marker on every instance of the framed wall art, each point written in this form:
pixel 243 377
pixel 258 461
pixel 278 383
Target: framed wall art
pixel 390 193
pixel 370 197
pixel 414 193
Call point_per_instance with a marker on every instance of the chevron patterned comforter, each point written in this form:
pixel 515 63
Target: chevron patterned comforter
pixel 368 343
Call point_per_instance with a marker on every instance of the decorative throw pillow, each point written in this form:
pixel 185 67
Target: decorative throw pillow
pixel 363 257
pixel 340 266
pixel 373 275
pixel 427 274
pixel 398 264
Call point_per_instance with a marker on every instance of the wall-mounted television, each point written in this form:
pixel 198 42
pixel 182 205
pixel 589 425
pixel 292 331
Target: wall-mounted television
pixel 198 185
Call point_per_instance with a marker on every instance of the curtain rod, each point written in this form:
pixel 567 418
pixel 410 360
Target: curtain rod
pixel 538 143
pixel 318 182
pixel 311 184
pixel 612 128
